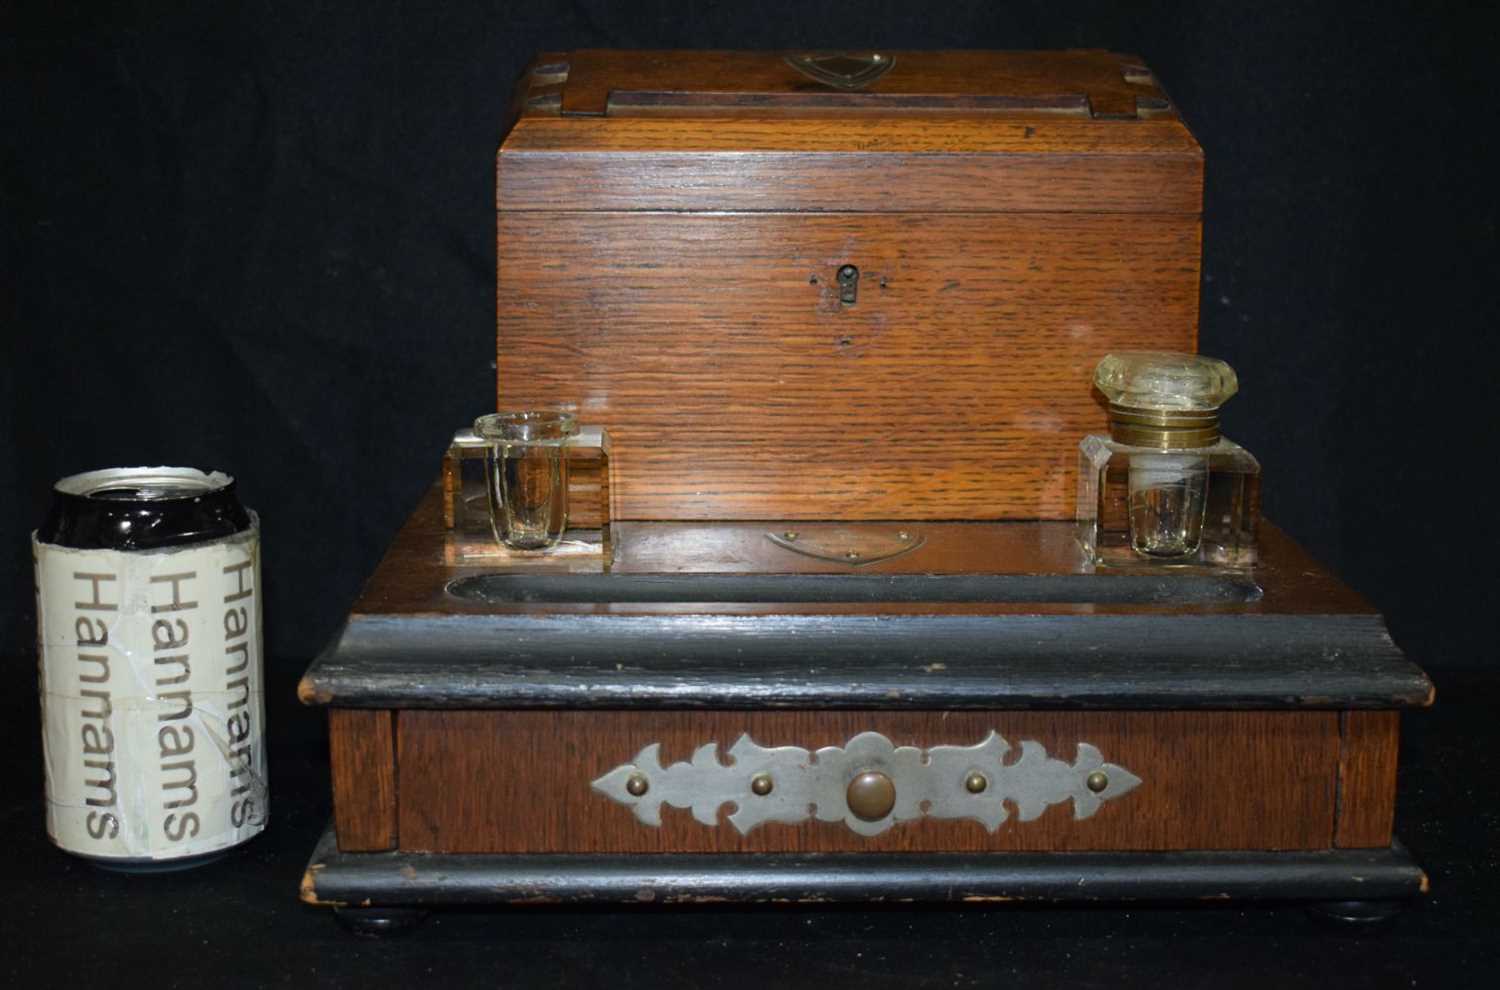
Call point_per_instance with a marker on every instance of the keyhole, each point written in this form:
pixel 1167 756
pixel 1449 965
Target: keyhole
pixel 848 284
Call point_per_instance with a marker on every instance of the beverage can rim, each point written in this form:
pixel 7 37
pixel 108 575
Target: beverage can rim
pixel 150 484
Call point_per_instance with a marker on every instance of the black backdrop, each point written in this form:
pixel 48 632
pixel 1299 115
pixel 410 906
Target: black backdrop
pixel 259 237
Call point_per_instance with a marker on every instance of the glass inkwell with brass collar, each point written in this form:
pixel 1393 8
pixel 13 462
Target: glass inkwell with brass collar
pixel 1164 487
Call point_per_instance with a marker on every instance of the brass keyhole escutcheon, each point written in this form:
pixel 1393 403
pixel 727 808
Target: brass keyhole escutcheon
pixel 871 796
pixel 848 279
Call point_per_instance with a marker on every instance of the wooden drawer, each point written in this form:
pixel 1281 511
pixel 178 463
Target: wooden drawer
pixel 520 781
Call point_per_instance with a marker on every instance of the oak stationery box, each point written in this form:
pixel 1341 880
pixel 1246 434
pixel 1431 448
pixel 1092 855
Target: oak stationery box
pixel 791 297
pixel 837 314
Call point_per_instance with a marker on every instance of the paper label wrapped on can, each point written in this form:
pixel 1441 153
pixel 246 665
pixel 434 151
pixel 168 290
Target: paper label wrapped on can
pixel 153 721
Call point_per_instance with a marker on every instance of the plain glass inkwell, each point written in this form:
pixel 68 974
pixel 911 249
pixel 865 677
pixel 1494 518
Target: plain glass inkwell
pixel 528 485
pixel 1164 486
pixel 526 475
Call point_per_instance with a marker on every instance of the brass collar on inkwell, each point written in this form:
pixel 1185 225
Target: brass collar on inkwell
pixel 1165 401
pixel 1164 429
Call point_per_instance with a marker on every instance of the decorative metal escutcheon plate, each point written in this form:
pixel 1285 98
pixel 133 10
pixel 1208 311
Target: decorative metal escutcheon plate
pixel 869 783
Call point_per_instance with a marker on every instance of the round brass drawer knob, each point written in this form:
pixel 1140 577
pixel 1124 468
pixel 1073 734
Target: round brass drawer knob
pixel 871 796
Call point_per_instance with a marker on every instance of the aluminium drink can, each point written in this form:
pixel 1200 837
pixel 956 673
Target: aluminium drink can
pixel 149 653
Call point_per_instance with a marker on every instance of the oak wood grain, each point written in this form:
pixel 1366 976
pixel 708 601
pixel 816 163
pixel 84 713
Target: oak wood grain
pixel 1367 778
pixel 588 488
pixel 736 385
pixel 362 761
pixel 508 781
pixel 864 182
pixel 869 134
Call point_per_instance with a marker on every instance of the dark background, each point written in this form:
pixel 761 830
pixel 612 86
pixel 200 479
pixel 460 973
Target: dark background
pixel 260 237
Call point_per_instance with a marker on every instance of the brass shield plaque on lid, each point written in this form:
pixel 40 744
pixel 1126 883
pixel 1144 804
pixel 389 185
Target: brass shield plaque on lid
pixel 852 545
pixel 846 70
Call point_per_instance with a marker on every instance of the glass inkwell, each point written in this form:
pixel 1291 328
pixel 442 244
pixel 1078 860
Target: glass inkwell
pixel 527 485
pixel 1164 487
pixel 526 475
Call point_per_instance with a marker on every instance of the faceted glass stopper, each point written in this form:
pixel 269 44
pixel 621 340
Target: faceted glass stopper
pixel 1165 380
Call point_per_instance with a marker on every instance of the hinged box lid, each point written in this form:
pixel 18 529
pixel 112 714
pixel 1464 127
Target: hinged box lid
pixel 624 83
pixel 1076 130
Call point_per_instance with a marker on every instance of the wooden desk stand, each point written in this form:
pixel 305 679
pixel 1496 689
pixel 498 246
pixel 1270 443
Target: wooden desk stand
pixel 807 294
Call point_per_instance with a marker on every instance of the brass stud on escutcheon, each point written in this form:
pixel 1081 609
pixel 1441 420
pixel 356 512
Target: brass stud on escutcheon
pixel 1097 781
pixel 976 782
pixel 762 784
pixel 637 784
pixel 871 796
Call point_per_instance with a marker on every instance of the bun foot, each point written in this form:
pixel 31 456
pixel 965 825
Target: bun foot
pixel 1356 912
pixel 379 922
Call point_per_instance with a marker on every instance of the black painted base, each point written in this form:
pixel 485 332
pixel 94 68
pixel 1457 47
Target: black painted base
pixel 1336 879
